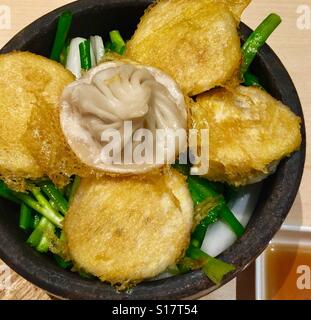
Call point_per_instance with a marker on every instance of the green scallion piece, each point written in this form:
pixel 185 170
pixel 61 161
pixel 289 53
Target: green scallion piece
pixel 257 39
pixel 63 263
pixel 46 208
pixel 85 55
pixel 202 191
pixel 107 46
pixel 7 194
pixel 36 236
pixel 41 206
pixel 250 80
pixel 55 196
pixel 117 42
pixel 25 218
pixel 213 268
pixel 63 26
pixel 36 220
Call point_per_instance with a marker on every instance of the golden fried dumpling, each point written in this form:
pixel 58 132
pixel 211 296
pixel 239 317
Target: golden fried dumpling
pixel 27 82
pixel 249 132
pixel 194 41
pixel 125 230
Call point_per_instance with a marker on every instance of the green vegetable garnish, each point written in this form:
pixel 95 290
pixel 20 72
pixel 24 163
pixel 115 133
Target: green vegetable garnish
pixel 25 218
pixel 54 195
pixel 107 46
pixel 36 220
pixel 213 268
pixel 45 242
pixel 209 217
pixel 6 193
pixel 85 55
pixel 63 263
pixel 250 80
pixel 257 39
pixel 39 236
pixel 63 26
pixel 48 212
pixel 117 42
pixel 200 189
pixel 209 207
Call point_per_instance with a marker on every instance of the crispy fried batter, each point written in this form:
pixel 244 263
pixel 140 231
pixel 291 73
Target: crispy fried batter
pixel 194 41
pixel 237 7
pixel 125 230
pixel 27 82
pixel 249 133
pixel 45 139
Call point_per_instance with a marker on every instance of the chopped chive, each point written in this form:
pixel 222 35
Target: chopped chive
pixel 36 236
pixel 63 263
pixel 117 42
pixel 85 55
pixel 213 268
pixel 55 196
pixel 41 236
pixel 25 218
pixel 250 80
pixel 257 39
pixel 107 46
pixel 36 220
pixel 63 26
pixel 44 244
pixel 41 206
pixel 210 206
pixel 48 211
pixel 7 194
pixel 54 205
pixel 229 218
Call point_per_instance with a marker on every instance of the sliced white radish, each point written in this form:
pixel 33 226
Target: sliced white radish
pixel 219 237
pixel 73 63
pixel 93 58
pixel 98 47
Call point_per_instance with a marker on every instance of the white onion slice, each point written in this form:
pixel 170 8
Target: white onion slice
pixel 98 47
pixel 93 58
pixel 73 63
pixel 219 237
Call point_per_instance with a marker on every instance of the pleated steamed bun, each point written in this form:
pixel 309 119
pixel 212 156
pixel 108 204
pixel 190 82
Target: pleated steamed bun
pixel 114 94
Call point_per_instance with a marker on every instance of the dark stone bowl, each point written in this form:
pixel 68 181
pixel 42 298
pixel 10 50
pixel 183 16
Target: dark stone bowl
pixel 278 195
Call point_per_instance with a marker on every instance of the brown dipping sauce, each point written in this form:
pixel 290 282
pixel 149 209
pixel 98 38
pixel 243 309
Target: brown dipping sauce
pixel 288 272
